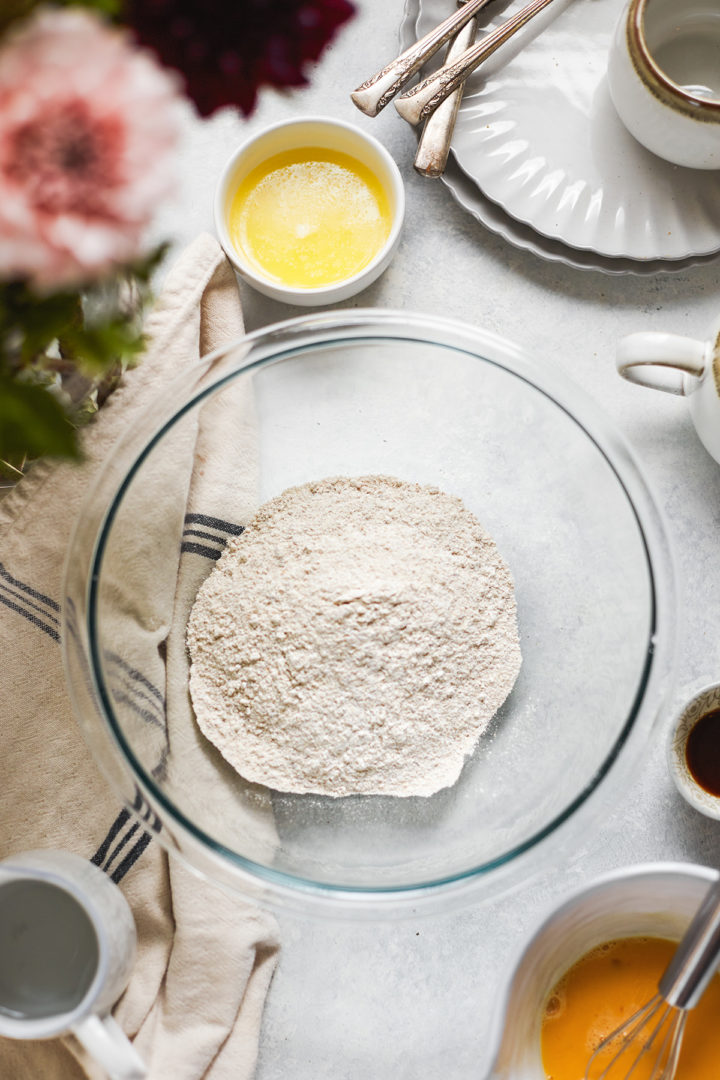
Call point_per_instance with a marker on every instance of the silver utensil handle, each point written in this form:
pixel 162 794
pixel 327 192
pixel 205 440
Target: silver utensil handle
pixel 423 99
pixel 696 958
pixel 434 146
pixel 374 94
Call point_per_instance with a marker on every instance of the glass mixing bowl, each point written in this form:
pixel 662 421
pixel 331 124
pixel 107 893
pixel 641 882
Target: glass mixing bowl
pixel 426 400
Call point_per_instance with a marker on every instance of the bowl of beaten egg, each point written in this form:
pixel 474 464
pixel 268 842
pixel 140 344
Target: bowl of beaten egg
pixel 310 211
pixel 593 961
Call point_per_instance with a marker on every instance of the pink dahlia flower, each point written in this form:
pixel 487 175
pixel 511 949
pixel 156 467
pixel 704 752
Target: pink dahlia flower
pixel 88 124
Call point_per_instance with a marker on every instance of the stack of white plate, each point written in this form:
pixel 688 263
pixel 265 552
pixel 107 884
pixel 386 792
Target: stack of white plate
pixel 540 156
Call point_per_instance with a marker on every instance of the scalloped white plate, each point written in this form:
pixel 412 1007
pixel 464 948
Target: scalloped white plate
pixel 538 134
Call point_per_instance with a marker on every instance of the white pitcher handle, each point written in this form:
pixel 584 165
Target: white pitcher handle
pixel 105 1040
pixel 661 361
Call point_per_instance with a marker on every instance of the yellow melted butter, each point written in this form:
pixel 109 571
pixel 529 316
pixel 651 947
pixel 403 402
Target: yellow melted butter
pixel 309 217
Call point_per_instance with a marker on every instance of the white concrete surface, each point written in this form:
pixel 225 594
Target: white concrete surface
pixel 411 1000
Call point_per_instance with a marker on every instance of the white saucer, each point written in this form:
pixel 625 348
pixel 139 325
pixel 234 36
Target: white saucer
pixel 624 217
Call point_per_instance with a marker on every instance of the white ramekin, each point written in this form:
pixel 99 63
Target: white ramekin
pixel 327 134
pixel 703 701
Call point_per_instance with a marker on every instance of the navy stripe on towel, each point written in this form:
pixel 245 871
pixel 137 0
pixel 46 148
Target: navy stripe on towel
pixel 200 549
pixel 206 536
pixel 131 858
pixel 120 821
pixel 26 589
pixel 19 598
pixel 118 847
pixel 214 523
pixel 104 857
pixel 137 676
pixel 50 630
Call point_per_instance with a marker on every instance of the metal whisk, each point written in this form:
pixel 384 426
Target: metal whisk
pixel 654 1033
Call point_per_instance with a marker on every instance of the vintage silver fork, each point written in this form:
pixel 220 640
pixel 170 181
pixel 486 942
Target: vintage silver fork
pixel 434 145
pixel 419 102
pixel 374 94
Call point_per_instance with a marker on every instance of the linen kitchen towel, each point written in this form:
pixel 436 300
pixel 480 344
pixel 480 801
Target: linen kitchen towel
pixel 194 1003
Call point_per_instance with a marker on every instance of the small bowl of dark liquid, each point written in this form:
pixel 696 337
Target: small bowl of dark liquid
pixel 694 751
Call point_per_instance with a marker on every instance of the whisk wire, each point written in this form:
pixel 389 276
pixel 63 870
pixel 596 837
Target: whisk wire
pixel 639 1033
pixel 678 1030
pixel 680 988
pixel 630 1035
pixel 663 1057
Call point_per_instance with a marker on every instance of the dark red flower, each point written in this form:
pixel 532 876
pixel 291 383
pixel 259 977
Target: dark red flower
pixel 227 49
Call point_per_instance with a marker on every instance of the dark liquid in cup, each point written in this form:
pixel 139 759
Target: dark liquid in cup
pixel 702 752
pixel 48 950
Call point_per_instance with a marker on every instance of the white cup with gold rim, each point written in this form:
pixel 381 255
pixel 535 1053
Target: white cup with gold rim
pixel 664 78
pixel 679 365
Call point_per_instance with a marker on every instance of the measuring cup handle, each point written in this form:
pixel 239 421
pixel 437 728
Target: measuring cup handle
pixel 661 361
pixel 105 1040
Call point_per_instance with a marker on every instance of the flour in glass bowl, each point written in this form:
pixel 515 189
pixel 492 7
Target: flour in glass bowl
pixel 357 638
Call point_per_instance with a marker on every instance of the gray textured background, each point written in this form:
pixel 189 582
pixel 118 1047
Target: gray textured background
pixel 412 999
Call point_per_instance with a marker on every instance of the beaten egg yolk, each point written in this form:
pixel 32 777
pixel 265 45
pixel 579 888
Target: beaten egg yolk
pixel 309 217
pixel 600 992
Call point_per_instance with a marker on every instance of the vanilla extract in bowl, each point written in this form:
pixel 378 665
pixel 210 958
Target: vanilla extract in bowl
pixel 702 752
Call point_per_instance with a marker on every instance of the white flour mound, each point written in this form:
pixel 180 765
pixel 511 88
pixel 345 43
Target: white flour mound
pixel 357 638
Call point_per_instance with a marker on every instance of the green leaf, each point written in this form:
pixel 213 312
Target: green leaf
pixel 143 269
pixel 96 348
pixel 35 320
pixel 14 9
pixel 33 422
pixel 105 7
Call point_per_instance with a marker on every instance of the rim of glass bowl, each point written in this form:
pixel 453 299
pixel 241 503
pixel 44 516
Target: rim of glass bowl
pixel 293 337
